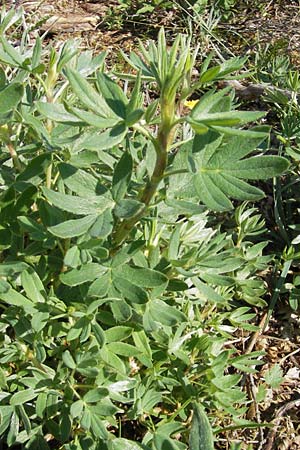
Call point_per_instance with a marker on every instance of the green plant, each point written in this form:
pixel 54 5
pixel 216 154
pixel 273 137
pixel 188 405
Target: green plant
pixel 117 296
pixel 286 198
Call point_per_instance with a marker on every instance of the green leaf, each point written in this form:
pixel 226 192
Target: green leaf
pixel 10 17
pixel 127 208
pixel 93 119
pixel 224 119
pixel 226 382
pixel 210 74
pixel 257 167
pixel 165 314
pixel 201 436
pixel 9 269
pixel 57 113
pixel 86 419
pixel 13 429
pixel 94 395
pixel 122 176
pixel 23 397
pixel 118 333
pixel 98 427
pixel 217 171
pixel 99 334
pixel 4 286
pixel 102 226
pixel 5 415
pixel 72 257
pixel 72 228
pixel 142 277
pixel 135 95
pixel 76 409
pixel 3 384
pixel 87 272
pixel 65 425
pixel 130 291
pixel 41 404
pixel 113 94
pixel 10 97
pixel 253 132
pixel 103 141
pixel 105 407
pixel 78 205
pixel 33 286
pixel 274 376
pixel 120 309
pixel 68 360
pixel 37 231
pixel 211 194
pixel 13 297
pixel 141 342
pixel 87 94
pixel 134 117
pixel 207 292
pixel 10 54
pixel 24 418
pixel 36 169
pixel 247 363
pixel 76 330
pixel 101 285
pixel 123 349
pixel 163 442
pixel 36 52
pixel 126 444
pixel 208 102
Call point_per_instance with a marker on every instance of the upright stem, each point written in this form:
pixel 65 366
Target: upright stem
pixel 162 143
pixel 49 126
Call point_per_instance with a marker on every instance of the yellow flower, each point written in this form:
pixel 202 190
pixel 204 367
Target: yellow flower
pixel 190 103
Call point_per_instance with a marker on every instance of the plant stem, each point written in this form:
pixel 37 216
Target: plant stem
pixel 49 126
pixel 161 143
pixel 149 191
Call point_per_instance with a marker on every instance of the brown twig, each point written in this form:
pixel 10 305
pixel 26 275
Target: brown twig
pixel 256 335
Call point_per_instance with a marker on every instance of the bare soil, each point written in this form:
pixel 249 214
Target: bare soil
pixel 99 24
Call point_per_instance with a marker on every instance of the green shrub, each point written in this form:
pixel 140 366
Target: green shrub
pixel 118 297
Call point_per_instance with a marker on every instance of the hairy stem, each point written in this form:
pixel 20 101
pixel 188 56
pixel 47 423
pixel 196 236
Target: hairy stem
pixel 162 143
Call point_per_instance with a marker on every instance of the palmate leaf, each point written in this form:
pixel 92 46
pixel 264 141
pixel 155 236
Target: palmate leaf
pixel 219 170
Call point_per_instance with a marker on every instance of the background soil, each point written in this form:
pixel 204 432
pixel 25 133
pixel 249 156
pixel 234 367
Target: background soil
pixel 99 24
